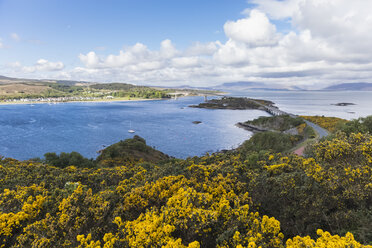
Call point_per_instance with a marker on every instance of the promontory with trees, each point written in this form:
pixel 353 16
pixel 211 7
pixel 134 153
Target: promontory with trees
pixel 258 195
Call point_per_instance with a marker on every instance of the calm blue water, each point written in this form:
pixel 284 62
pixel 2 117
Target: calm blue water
pixel 318 102
pixel 28 131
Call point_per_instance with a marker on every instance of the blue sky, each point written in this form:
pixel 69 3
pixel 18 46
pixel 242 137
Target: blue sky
pixel 285 43
pixel 60 30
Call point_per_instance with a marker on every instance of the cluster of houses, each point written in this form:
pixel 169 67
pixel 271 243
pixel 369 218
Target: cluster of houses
pixel 53 99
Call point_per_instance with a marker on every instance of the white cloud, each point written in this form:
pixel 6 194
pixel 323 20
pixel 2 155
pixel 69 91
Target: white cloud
pixel 255 30
pixel 343 24
pixel 167 49
pixel 43 65
pixel 232 52
pixel 200 49
pixel 90 60
pixel 15 37
pixel 185 62
pixel 1 44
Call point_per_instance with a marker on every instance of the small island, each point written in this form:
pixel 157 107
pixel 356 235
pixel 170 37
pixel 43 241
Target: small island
pixel 241 103
pixel 343 104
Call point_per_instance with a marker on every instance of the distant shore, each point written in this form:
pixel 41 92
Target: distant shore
pixel 118 99
pixel 95 100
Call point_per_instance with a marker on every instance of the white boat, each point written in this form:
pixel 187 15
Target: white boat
pixel 131 130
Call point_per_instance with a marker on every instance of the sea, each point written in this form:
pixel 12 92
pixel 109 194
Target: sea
pixel 31 130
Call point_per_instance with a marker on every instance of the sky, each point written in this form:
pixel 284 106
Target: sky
pixel 287 43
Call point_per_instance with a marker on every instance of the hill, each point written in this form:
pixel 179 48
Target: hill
pixel 130 151
pixel 350 86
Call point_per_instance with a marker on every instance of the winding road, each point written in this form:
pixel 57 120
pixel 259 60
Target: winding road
pixel 321 131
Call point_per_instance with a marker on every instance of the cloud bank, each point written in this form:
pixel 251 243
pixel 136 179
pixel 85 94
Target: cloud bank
pixel 329 42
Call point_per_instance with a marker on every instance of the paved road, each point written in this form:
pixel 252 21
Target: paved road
pixel 275 111
pixel 321 131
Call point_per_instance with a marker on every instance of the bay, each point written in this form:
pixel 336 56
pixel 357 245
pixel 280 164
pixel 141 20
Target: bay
pixel 28 131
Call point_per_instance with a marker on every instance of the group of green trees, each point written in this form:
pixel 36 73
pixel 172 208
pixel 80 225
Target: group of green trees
pixel 248 197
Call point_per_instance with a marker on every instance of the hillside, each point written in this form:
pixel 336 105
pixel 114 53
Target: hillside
pixel 13 90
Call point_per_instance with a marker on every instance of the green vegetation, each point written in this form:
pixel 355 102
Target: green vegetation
pixel 361 125
pixel 130 151
pixel 131 91
pixel 66 159
pixel 248 197
pixel 278 123
pixel 273 141
pixel 281 133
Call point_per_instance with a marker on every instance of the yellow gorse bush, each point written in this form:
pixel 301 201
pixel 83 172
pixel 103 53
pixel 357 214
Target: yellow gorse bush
pixel 220 200
pixel 325 240
pixel 329 123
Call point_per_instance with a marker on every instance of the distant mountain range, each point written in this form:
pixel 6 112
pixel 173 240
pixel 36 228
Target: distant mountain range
pixel 230 86
pixel 350 86
pixel 235 86
pixel 241 85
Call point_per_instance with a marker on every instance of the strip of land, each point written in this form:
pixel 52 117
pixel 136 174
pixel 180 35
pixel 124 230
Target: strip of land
pixel 24 91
